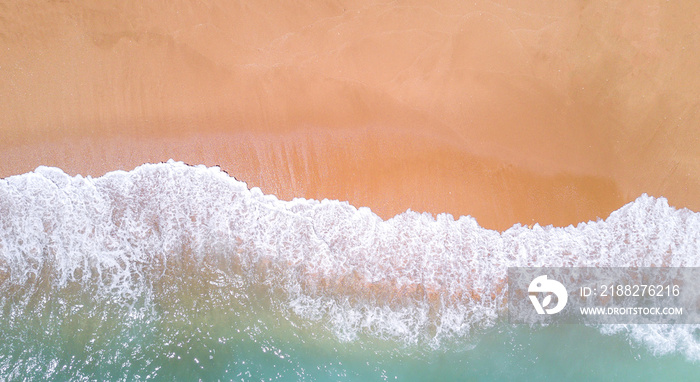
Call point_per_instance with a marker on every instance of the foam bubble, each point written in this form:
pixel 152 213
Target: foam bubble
pixel 412 277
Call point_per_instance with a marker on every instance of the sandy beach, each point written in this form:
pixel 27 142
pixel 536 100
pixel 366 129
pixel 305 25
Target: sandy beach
pixel 553 114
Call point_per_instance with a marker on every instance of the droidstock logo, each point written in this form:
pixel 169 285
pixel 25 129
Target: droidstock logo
pixel 541 285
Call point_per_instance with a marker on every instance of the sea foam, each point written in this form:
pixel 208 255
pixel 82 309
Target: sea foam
pixel 414 277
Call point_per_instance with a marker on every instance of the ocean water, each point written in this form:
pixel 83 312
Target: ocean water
pixel 174 272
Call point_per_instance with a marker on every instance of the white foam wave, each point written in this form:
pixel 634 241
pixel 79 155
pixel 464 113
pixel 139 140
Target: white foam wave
pixel 412 277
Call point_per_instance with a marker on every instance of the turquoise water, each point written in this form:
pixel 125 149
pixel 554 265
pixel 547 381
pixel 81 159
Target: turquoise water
pixel 193 330
pixel 172 272
pixel 214 337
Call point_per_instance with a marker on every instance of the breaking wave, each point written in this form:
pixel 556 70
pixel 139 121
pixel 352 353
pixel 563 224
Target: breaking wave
pixel 412 278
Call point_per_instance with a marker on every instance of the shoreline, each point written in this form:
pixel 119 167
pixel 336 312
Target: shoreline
pixel 380 171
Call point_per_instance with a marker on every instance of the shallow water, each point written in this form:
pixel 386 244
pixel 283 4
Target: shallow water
pixel 211 338
pixel 178 272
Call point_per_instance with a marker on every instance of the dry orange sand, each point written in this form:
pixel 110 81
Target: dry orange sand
pixel 555 114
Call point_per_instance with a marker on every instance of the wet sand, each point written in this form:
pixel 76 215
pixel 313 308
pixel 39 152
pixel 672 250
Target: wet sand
pixel 512 114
